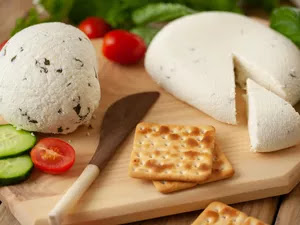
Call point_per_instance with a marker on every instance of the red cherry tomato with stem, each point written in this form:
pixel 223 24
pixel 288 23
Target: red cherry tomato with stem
pixel 2 44
pixel 123 47
pixel 94 27
pixel 52 155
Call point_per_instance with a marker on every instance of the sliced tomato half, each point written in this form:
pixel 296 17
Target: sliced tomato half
pixel 53 155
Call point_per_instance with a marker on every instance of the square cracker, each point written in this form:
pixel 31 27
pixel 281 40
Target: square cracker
pixel 172 152
pixel 218 213
pixel 222 169
pixel 253 221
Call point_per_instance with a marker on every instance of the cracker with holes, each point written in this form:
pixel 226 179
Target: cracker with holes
pixel 221 169
pixel 172 152
pixel 218 213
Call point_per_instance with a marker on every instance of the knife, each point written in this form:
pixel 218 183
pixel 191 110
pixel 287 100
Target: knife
pixel 119 120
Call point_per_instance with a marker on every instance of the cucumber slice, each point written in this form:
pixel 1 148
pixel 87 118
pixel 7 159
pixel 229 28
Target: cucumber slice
pixel 14 142
pixel 14 170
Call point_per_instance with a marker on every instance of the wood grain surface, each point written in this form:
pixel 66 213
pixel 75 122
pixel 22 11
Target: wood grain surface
pixel 10 10
pixel 264 209
pixel 289 212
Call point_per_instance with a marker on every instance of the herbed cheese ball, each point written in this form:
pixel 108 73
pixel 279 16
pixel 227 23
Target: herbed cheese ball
pixel 48 79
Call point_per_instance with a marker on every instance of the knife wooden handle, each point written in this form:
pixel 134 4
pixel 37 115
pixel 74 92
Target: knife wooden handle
pixel 73 194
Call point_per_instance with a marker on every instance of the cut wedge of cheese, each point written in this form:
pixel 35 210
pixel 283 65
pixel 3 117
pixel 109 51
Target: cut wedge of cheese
pixel 194 59
pixel 273 123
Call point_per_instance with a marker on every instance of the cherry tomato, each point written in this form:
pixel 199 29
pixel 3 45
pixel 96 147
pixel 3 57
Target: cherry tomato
pixel 2 44
pixel 123 47
pixel 94 27
pixel 53 155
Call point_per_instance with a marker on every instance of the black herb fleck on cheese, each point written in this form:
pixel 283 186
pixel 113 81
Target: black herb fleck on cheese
pixel 78 60
pixel 28 117
pixel 96 75
pixel 59 70
pixel 4 51
pixel 77 109
pixel 89 84
pixel 59 111
pixel 60 129
pixel 90 127
pixel 84 116
pixel 47 62
pixel 168 77
pixel 69 84
pixel 24 78
pixel 21 49
pixel 44 69
pixel 292 75
pixel 13 58
pixel 79 39
pixel 192 49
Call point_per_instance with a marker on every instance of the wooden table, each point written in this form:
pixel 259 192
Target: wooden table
pixel 282 210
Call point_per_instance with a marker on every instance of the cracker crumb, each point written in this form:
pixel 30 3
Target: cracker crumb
pixel 88 134
pixel 69 141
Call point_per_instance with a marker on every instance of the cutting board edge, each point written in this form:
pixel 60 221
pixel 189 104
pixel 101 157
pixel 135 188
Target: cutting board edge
pixel 159 212
pixel 21 214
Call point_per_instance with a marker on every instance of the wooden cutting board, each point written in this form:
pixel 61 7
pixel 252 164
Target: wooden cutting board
pixel 116 198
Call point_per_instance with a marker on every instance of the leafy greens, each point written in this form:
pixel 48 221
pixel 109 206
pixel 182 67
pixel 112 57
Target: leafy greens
pixel 137 15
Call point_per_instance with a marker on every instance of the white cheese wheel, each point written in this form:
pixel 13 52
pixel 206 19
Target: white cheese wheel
pixel 194 58
pixel 48 79
pixel 273 123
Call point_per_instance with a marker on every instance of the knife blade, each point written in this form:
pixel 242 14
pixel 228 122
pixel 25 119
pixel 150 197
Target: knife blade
pixel 118 121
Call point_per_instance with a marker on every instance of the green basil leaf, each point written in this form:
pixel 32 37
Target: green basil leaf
pixel 267 5
pixel 145 32
pixel 57 9
pixel 159 12
pixel 31 18
pixel 286 20
pixel 218 5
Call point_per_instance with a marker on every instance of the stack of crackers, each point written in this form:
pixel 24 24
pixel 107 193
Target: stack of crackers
pixel 177 157
pixel 218 213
